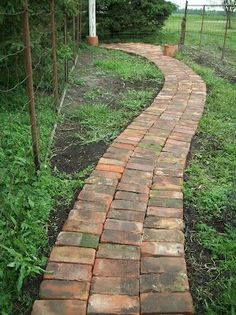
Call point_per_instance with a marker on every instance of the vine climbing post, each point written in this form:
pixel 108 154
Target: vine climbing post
pixel 54 55
pixel 65 44
pixel 29 83
pixel 92 39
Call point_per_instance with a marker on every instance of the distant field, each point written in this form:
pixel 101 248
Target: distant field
pixel 213 33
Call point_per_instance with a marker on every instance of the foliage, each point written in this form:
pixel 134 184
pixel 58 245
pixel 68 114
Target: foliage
pixel 210 193
pixel 135 16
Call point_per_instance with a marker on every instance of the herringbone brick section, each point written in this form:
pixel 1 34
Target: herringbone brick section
pixel 121 250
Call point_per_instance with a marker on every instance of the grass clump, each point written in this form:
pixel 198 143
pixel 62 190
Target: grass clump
pixel 210 198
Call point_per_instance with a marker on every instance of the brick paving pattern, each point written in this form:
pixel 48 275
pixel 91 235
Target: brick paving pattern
pixel 121 250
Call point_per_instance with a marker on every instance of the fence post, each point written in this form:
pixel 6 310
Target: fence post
pixel 80 21
pixel 29 83
pixel 183 26
pixel 202 24
pixel 225 36
pixel 74 40
pixel 54 55
pixel 65 43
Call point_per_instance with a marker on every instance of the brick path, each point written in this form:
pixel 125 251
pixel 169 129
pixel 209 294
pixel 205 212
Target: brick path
pixel 121 250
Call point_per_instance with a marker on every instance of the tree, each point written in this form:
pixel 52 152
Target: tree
pixel 229 7
pixel 132 16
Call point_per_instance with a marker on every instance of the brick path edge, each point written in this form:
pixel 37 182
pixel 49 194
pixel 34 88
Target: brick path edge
pixel 121 250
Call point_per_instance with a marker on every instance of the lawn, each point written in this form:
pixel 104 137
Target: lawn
pixel 210 200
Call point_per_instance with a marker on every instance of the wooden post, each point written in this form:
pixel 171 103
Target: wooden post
pixel 92 39
pixel 183 26
pixel 74 40
pixel 30 88
pixel 202 24
pixel 54 55
pixel 65 43
pixel 225 36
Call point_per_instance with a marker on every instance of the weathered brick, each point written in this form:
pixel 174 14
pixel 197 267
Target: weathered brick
pixel 111 162
pixel 64 290
pixel 117 286
pixel 95 197
pixel 113 305
pixel 123 195
pixel 77 239
pixel 129 205
pixel 81 226
pixel 137 188
pixel 59 307
pixel 116 268
pixel 101 181
pixel 92 206
pixel 62 271
pixel 163 223
pixel 136 216
pixel 162 235
pixel 87 216
pixel 166 282
pixel 114 251
pixel 139 167
pixel 106 174
pixel 121 237
pixel 162 249
pixel 99 189
pixel 163 265
pixel 165 212
pixel 164 303
pixel 166 194
pixel 70 254
pixel 166 203
pixel 119 225
pixel 110 168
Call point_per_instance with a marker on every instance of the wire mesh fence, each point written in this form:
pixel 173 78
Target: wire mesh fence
pixel 208 29
pixel 38 49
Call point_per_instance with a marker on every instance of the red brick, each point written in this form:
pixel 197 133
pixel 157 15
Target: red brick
pixel 106 174
pixel 111 162
pixel 123 195
pixel 101 181
pixel 121 237
pixel 165 282
pixel 137 188
pixel 95 197
pixel 61 271
pixel 87 216
pixel 166 194
pixel 162 249
pixel 166 203
pixel 163 223
pixel 92 206
pixel 164 303
pixel 113 305
pixel 59 307
pixel 136 216
pixel 70 254
pixel 110 168
pixel 121 145
pixel 64 290
pixel 154 235
pixel 114 251
pixel 163 265
pixel 77 239
pixel 129 205
pixel 116 268
pixel 140 167
pixel 165 212
pixel 118 225
pixel 81 226
pixel 115 286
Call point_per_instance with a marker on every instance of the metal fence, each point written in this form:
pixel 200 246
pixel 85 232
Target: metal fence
pixel 206 28
pixel 35 60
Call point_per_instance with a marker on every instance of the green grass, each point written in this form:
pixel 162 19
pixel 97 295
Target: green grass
pixel 210 195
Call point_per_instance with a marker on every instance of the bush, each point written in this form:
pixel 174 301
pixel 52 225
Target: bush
pixel 135 16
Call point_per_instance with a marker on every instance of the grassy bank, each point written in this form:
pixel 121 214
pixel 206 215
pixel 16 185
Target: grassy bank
pixel 31 206
pixel 210 200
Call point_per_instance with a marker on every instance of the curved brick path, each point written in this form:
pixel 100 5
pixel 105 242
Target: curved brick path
pixel 121 250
